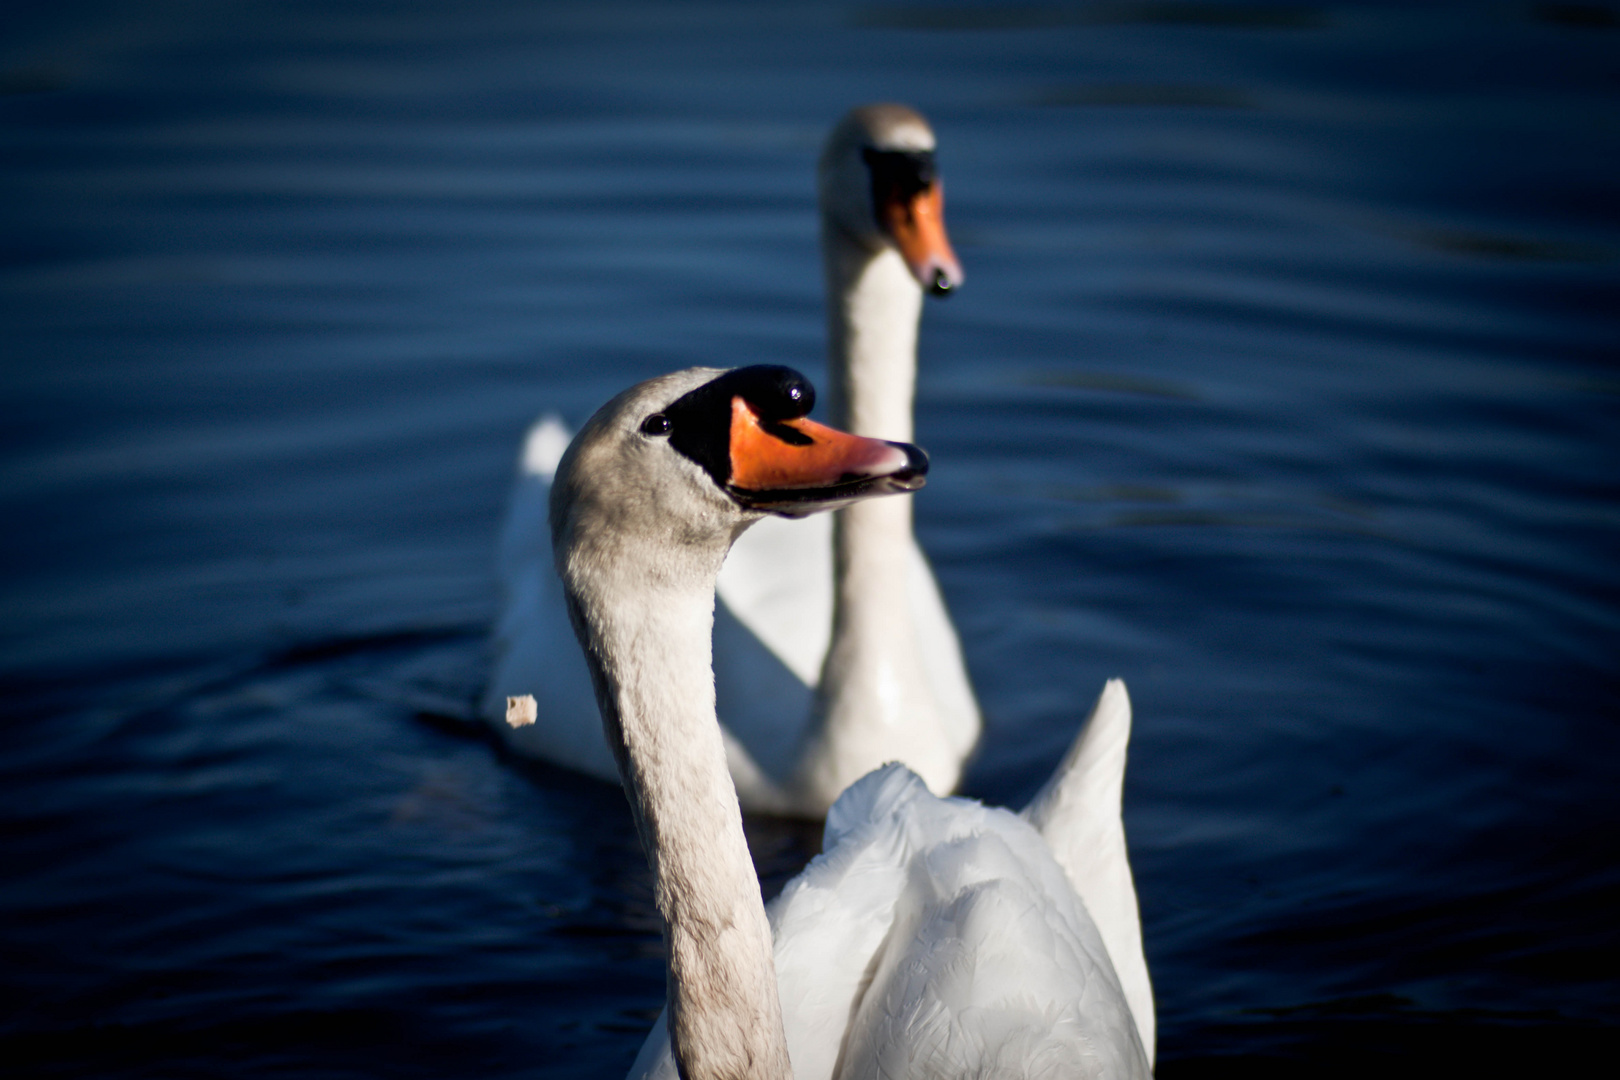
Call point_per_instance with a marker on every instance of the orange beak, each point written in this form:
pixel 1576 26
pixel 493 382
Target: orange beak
pixel 918 228
pixel 798 464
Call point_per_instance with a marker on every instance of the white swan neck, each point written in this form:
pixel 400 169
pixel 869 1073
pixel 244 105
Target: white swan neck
pixel 873 308
pixel 873 700
pixel 649 622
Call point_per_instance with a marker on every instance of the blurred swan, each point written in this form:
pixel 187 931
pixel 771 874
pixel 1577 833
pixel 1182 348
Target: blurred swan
pixel 820 676
pixel 934 936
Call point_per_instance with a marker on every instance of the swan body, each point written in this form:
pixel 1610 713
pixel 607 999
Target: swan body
pixel 833 648
pixel 938 937
pixel 934 936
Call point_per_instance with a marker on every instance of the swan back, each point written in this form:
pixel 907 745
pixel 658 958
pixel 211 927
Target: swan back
pixel 991 965
pixel 938 937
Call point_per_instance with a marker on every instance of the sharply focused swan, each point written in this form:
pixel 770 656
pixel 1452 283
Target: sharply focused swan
pixel 933 937
pixel 820 677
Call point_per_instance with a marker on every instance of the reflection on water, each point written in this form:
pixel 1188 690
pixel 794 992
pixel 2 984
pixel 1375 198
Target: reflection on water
pixel 1103 13
pixel 1283 385
pixel 1114 382
pixel 1498 246
pixel 1219 97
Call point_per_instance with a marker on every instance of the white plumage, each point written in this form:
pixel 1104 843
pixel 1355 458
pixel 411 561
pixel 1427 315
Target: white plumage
pixel 935 937
pixel 802 717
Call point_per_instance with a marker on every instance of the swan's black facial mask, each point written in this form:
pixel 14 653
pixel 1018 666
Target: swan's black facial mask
pixel 908 204
pixel 749 431
pixel 700 421
pixel 898 176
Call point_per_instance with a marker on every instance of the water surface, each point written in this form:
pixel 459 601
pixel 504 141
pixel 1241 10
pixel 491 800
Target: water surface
pixel 1284 385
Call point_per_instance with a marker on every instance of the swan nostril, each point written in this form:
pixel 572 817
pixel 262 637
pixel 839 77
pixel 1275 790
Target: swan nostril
pixel 941 285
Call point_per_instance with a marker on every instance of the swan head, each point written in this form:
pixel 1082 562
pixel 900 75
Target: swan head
pixel 878 183
pixel 695 457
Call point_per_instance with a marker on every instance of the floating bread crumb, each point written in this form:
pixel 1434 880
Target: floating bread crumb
pixel 521 711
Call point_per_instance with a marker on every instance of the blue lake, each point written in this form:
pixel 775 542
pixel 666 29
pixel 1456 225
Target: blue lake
pixel 1285 384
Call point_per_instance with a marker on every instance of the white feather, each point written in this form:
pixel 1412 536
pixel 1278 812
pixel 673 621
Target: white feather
pixel 938 937
pixel 934 937
pixel 799 727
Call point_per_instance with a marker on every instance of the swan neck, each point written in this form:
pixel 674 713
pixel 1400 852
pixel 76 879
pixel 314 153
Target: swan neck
pixel 871 550
pixel 647 626
pixel 873 308
pixel 873 700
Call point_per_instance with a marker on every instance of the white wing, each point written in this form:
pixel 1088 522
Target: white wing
pixel 1078 815
pixel 938 937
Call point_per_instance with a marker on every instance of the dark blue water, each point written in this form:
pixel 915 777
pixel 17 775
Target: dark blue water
pixel 1285 384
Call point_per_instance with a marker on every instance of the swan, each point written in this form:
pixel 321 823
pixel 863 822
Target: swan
pixel 821 676
pixel 934 936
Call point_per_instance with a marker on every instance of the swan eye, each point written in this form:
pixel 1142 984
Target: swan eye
pixel 656 424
